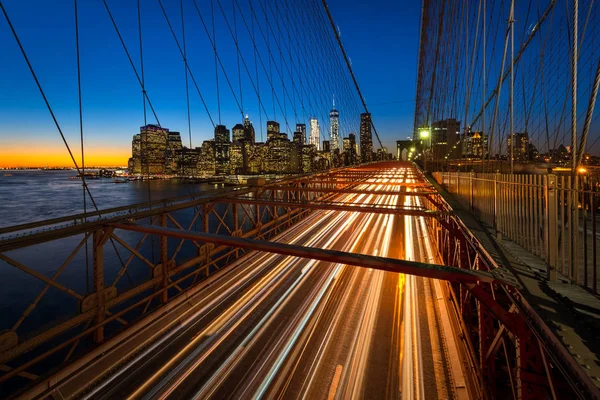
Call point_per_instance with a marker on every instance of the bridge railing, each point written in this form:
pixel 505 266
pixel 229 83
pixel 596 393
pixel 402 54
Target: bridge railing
pixel 96 279
pixel 552 216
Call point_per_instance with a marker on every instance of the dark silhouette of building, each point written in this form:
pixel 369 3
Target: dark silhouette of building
pixel 443 137
pixel 302 129
pixel 349 149
pixel 366 138
pixel 521 146
pixel 222 146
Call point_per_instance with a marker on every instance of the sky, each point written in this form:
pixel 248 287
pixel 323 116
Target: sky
pixel 380 37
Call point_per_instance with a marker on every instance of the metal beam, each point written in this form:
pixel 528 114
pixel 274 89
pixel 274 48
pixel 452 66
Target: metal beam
pixel 351 207
pixel 352 191
pixel 363 182
pixel 335 256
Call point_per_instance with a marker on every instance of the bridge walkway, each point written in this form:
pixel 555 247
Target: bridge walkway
pixel 572 313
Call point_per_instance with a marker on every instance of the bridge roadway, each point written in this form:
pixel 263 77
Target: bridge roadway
pixel 276 326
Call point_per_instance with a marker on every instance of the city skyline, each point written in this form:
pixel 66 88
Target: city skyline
pixel 160 151
pixel 112 105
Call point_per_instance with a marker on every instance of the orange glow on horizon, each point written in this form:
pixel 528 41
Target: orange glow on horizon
pixel 41 156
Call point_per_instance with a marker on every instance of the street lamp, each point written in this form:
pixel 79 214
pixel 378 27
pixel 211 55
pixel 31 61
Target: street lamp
pixel 425 136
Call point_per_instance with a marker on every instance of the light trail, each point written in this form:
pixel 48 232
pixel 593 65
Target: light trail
pixel 275 326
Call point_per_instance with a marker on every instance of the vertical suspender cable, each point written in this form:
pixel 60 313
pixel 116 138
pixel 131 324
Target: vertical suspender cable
pixel 212 12
pixel 574 86
pixel 238 57
pixel 187 89
pixel 257 80
pixel 484 87
pixel 512 83
pixel 83 183
pixel 588 117
pixel 339 40
pixel 574 211
pixel 144 94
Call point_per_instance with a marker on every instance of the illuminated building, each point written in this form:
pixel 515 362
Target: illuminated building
pixel 238 134
pixel 222 146
pixel 135 162
pixel 302 129
pixel 279 154
pixel 236 158
pixel 257 158
pixel 298 138
pixel 521 148
pixel 474 145
pixel 272 129
pixel 187 161
pixel 315 133
pixel 309 154
pixel 334 128
pixel 173 153
pixel 444 135
pixel 366 138
pixel 206 159
pixel 249 133
pixel 349 150
pixel 149 150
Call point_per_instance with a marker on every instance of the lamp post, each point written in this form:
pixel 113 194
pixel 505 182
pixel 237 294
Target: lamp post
pixel 425 136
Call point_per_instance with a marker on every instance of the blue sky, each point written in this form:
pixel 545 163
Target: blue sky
pixel 381 38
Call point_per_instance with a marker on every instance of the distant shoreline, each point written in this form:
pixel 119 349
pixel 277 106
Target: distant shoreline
pixel 54 168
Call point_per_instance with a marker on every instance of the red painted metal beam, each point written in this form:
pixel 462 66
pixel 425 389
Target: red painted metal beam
pixel 350 191
pixel 352 207
pixel 362 182
pixel 334 256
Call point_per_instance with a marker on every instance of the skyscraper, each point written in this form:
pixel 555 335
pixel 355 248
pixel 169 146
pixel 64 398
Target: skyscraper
pixel 238 134
pixel 222 144
pixel 314 133
pixel 302 128
pixel 154 146
pixel 334 128
pixel 366 138
pixel 444 135
pixel 272 129
pixel 250 135
pixel 350 149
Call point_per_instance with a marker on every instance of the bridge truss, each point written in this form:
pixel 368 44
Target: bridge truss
pixel 164 250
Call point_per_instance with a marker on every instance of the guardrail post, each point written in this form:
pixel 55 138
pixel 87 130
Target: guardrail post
pixel 471 199
pixel 98 254
pixel 496 178
pixel 551 226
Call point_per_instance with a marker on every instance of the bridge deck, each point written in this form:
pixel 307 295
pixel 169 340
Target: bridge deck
pixel 291 315
pixel 568 310
pixel 288 327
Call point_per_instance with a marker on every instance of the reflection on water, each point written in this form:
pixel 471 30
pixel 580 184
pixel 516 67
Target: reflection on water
pixel 27 196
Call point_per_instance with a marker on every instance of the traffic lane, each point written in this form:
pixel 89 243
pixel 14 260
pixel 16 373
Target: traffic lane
pixel 267 338
pixel 233 282
pixel 324 357
pixel 433 367
pixel 365 367
pixel 238 319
